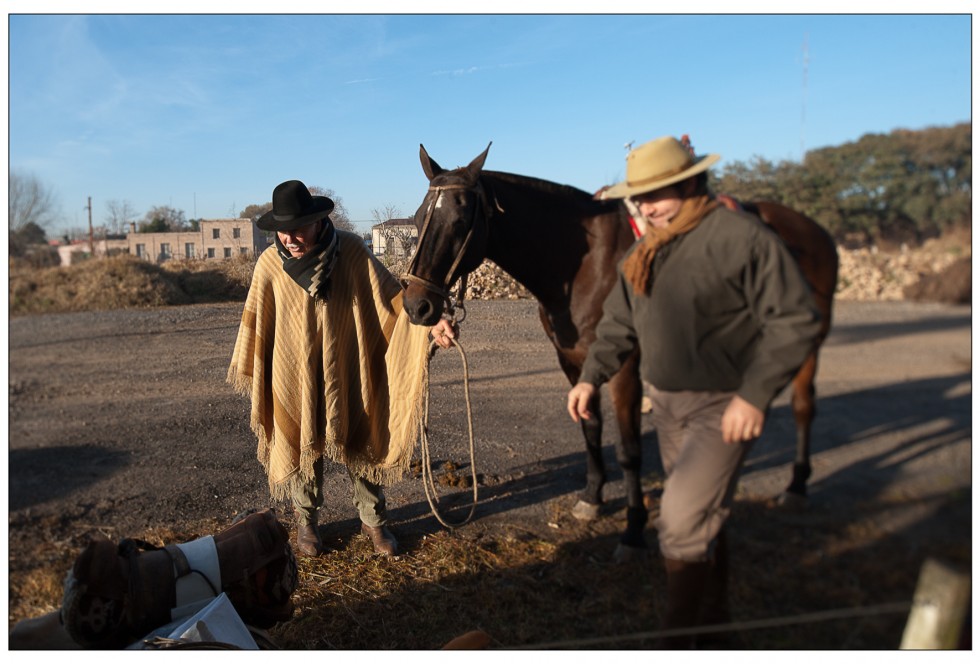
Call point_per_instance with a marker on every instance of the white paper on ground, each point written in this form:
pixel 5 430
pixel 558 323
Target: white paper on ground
pixel 218 622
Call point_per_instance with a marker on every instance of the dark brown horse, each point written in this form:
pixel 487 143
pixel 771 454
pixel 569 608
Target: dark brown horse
pixel 563 246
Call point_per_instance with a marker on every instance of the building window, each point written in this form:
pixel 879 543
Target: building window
pixel 236 233
pixel 210 252
pixel 227 252
pixel 141 250
pixel 215 233
pixel 164 250
pixel 243 251
pixel 188 250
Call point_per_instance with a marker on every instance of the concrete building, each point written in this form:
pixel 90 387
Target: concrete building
pixel 216 238
pixel 103 246
pixel 395 238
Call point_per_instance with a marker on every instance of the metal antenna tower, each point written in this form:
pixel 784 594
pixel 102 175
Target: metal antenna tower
pixel 806 64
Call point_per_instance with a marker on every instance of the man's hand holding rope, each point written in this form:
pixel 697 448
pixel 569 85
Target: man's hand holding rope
pixel 443 333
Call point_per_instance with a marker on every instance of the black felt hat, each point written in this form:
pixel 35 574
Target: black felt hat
pixel 292 207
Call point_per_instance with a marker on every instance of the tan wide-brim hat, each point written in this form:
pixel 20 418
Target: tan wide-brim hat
pixel 658 164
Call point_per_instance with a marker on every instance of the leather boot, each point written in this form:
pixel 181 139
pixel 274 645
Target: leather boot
pixel 308 541
pixel 714 605
pixel 383 540
pixel 685 586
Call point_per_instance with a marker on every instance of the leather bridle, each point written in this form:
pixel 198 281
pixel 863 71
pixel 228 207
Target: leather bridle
pixel 443 289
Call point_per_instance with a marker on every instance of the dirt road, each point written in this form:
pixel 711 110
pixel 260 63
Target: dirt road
pixel 122 420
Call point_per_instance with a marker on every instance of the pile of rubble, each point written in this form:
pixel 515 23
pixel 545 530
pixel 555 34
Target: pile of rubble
pixel 866 274
pixel 870 275
pixel 490 282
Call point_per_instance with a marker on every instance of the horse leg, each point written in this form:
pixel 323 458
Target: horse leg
pixel 626 390
pixel 590 498
pixel 804 410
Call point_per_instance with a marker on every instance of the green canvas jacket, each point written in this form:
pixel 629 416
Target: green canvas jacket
pixel 728 310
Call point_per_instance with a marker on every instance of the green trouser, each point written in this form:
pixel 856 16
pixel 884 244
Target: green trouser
pixel 369 499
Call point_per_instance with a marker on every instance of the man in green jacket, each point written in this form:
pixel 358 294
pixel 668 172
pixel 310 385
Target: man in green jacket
pixel 723 320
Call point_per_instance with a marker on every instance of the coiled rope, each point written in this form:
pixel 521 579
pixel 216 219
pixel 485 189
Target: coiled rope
pixel 428 480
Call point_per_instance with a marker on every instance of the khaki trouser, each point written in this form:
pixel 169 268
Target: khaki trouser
pixel 702 471
pixel 369 499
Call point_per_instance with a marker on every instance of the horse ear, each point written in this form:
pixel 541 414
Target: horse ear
pixel 429 165
pixel 477 164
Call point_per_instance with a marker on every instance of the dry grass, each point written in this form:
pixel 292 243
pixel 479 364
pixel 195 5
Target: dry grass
pixel 126 282
pixel 527 591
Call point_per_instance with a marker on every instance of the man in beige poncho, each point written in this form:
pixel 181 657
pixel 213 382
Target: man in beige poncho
pixel 331 363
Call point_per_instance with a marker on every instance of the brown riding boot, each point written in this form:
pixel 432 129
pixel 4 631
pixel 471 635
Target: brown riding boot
pixel 383 540
pixel 308 541
pixel 685 585
pixel 714 605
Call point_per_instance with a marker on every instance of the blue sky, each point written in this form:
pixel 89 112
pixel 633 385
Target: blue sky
pixel 207 113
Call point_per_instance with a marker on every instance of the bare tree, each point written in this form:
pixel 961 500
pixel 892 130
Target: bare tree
pixel 339 216
pixel 397 237
pixel 119 214
pixel 386 213
pixel 29 201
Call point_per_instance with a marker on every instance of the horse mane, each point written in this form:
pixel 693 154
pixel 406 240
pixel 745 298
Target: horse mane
pixel 537 183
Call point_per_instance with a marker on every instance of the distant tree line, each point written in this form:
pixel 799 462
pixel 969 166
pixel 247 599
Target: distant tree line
pixel 31 207
pixel 904 186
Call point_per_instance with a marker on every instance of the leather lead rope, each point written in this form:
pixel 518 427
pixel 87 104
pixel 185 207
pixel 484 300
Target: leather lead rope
pixel 428 480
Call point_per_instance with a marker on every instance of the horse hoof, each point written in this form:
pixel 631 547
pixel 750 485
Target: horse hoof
pixel 790 501
pixel 627 554
pixel 584 511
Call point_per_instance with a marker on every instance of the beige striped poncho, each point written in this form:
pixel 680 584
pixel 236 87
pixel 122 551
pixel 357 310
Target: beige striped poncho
pixel 342 378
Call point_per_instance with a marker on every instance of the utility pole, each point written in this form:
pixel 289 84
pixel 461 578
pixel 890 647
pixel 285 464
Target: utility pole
pixel 91 235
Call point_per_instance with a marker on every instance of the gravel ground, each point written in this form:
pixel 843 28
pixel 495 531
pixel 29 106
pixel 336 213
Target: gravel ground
pixel 122 421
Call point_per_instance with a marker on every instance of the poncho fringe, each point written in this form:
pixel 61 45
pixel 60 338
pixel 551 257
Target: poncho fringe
pixel 344 379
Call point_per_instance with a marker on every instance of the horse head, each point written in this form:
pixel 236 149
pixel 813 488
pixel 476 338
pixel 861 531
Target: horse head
pixel 453 228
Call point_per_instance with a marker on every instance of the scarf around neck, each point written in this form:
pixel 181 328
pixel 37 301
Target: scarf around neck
pixel 312 270
pixel 637 268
